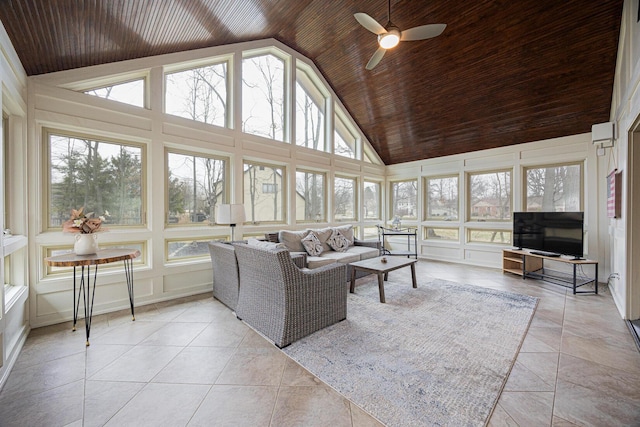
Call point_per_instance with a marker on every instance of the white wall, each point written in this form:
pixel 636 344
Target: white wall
pixel 625 113
pixel 571 149
pixel 14 325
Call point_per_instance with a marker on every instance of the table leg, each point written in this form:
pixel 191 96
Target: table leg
pixel 89 297
pixel 352 288
pixel 386 276
pixel 76 305
pixel 128 271
pixel 413 275
pixel 596 279
pixel 381 286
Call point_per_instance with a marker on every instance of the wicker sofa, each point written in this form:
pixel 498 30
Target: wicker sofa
pixel 284 302
pixel 357 250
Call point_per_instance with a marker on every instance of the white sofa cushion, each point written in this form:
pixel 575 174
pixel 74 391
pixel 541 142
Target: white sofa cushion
pixel 293 239
pixel 364 252
pixel 316 261
pixel 343 257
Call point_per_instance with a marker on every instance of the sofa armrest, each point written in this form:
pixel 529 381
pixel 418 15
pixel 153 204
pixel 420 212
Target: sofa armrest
pixel 369 243
pixel 300 260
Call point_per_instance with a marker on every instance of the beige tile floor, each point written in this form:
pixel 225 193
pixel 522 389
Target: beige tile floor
pixel 191 362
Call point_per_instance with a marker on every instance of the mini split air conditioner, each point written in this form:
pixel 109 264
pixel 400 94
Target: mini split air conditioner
pixel 603 134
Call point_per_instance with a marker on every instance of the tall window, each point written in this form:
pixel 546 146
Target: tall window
pixel 371 200
pixel 103 177
pixel 404 199
pixel 442 198
pixel 555 188
pixel 263 90
pixel 345 140
pixel 310 196
pixel 344 201
pixel 131 92
pixel 198 94
pixel 261 206
pixel 490 196
pixel 195 186
pixel 310 105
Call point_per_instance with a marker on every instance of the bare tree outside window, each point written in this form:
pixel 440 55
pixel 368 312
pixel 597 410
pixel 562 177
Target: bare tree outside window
pixel 344 140
pixel 261 206
pixel 310 196
pixel 442 198
pixel 554 188
pixel 490 196
pixel 309 119
pixel 371 200
pixel 404 199
pixel 344 199
pixel 198 94
pixel 196 185
pixel 131 92
pixel 103 177
pixel 263 96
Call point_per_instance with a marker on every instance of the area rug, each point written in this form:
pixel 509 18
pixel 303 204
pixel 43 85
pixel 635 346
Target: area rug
pixel 438 355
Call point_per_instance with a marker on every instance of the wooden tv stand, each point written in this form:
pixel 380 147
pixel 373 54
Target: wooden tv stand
pixel 529 265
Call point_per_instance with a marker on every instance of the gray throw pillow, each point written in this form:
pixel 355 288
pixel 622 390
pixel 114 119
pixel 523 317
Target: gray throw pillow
pixel 312 244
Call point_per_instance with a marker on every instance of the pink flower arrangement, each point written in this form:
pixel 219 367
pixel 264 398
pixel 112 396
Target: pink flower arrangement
pixel 84 223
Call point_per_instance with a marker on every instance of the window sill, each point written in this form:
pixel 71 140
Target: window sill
pixel 11 244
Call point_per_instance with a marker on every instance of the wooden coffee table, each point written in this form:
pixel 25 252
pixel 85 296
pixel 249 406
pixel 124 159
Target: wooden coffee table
pixel 382 269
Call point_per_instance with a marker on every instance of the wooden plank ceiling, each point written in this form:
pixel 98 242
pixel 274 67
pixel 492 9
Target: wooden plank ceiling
pixel 503 72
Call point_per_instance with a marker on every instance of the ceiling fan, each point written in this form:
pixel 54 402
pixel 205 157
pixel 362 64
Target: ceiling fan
pixel 389 36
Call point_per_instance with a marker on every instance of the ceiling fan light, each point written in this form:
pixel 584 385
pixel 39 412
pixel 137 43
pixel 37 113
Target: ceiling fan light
pixel 389 40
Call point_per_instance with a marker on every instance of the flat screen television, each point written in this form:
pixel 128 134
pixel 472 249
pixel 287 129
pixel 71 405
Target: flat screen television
pixel 559 233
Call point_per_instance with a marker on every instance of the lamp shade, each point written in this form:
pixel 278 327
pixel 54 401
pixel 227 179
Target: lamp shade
pixel 230 214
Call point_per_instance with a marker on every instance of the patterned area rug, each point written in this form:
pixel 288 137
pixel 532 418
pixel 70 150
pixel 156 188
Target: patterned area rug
pixel 437 355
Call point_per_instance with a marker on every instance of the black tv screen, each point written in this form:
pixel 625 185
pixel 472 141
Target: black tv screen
pixel 555 232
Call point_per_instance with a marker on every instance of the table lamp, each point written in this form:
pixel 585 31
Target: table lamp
pixel 232 215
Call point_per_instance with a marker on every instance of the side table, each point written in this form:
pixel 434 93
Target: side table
pixel 104 256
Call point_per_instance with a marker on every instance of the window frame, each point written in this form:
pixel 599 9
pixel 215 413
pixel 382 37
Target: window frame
pixel 324 195
pixel 470 230
pixel 286 92
pixel 341 123
pixel 305 76
pixel 46 164
pixel 525 180
pixel 425 192
pixel 354 179
pixel 283 191
pixel 378 202
pixel 469 174
pixel 392 199
pixel 211 61
pixel 226 188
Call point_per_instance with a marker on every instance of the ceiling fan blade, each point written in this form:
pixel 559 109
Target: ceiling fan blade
pixel 375 58
pixel 369 23
pixel 422 32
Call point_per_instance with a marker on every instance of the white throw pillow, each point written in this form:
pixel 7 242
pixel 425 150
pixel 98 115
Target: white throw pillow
pixel 312 244
pixel 338 241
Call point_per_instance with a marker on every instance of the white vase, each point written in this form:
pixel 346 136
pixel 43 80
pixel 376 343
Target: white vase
pixel 86 244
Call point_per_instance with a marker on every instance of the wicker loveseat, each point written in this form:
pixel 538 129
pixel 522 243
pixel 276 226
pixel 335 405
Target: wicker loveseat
pixel 284 302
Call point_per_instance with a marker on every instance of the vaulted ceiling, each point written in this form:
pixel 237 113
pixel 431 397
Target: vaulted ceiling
pixel 503 72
